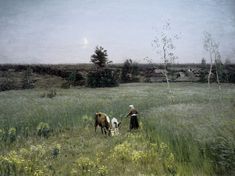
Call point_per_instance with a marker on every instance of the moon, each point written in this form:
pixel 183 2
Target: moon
pixel 85 42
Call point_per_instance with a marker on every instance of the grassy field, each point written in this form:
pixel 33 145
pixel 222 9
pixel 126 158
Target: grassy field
pixel 190 131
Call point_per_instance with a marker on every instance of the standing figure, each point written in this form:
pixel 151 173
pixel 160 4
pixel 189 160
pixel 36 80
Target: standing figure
pixel 134 124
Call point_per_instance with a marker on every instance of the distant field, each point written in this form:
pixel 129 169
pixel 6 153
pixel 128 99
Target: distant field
pixel 190 131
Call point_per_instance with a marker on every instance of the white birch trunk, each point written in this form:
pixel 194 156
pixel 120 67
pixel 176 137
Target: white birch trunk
pixel 210 71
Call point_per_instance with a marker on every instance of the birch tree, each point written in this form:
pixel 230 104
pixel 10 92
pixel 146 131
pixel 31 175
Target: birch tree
pixel 212 48
pixel 163 45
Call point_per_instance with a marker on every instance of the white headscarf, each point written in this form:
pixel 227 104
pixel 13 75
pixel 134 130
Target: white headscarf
pixel 131 106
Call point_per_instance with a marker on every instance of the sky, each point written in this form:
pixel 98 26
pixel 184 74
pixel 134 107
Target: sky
pixel 67 31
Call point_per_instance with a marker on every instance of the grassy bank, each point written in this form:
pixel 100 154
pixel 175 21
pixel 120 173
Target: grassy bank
pixel 187 132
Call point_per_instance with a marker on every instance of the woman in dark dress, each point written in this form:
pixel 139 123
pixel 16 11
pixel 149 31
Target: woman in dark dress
pixel 134 124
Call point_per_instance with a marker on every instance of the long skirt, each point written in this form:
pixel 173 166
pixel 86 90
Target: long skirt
pixel 134 124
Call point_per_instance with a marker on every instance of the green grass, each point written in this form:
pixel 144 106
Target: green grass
pixel 196 124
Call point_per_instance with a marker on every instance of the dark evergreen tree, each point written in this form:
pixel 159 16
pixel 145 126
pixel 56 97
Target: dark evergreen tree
pixel 103 76
pixel 100 58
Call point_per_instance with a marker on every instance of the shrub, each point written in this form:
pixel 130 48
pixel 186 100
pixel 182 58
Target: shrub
pixel 83 166
pixel 203 76
pixel 43 129
pixel 6 85
pixel 16 164
pixel 122 152
pixel 37 151
pixel 72 78
pixel 86 166
pixel 102 171
pixel 230 74
pixel 75 79
pixel 139 157
pixel 12 164
pixel 103 78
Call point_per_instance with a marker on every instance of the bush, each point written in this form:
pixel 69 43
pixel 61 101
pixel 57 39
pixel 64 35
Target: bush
pixel 103 78
pixel 6 85
pixel 230 77
pixel 84 166
pixel 21 163
pixel 203 76
pixel 12 164
pixel 75 79
pixel 43 129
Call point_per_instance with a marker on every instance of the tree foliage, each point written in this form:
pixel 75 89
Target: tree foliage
pixel 100 57
pixel 203 62
pixel 130 70
pixel 163 45
pixel 75 78
pixel 103 78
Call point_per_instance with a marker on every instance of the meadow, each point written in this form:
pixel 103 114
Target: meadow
pixel 189 131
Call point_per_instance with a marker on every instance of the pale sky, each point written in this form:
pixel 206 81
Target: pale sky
pixel 67 31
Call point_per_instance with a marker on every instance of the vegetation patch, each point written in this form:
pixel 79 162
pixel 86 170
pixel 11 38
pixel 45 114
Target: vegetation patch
pixel 189 131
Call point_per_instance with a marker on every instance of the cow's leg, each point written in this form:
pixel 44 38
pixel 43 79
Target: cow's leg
pixel 95 128
pixel 105 132
pixel 96 124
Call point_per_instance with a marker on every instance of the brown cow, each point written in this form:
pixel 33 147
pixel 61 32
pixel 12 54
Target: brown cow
pixel 102 120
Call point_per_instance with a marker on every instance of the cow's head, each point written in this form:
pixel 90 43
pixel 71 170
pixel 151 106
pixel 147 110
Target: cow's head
pixel 117 124
pixel 98 114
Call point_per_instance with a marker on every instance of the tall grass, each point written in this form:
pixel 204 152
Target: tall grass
pixel 196 123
